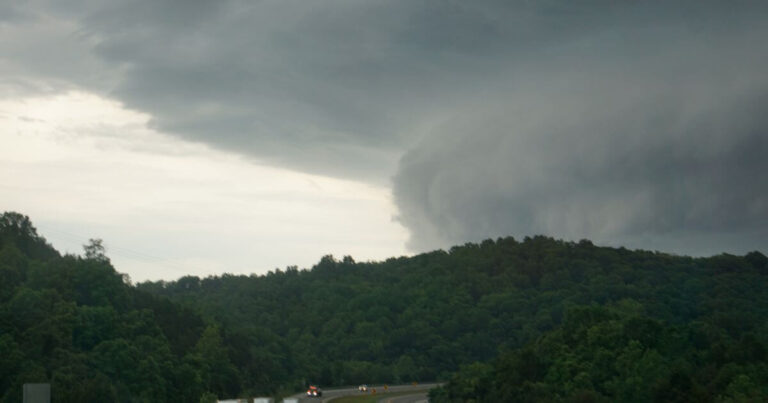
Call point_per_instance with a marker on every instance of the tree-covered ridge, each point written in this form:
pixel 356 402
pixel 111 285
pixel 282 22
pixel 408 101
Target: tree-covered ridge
pixel 421 318
pixel 74 322
pixel 542 318
pixel 617 353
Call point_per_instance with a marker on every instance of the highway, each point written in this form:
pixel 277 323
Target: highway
pixel 419 396
pixel 414 398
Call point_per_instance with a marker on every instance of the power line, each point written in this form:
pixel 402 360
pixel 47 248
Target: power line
pixel 118 250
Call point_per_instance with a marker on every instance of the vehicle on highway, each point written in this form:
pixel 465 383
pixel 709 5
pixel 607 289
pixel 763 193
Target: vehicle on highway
pixel 314 391
pixel 363 388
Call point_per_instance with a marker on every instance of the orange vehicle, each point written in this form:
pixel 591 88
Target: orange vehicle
pixel 314 391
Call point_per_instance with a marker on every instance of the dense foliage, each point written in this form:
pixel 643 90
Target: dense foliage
pixel 536 319
pixel 597 323
pixel 609 354
pixel 74 322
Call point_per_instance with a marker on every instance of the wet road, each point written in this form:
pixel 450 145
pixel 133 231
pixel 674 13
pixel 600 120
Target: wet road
pixel 328 395
pixel 415 398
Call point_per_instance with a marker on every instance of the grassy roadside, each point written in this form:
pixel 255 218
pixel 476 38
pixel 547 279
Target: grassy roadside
pixel 371 398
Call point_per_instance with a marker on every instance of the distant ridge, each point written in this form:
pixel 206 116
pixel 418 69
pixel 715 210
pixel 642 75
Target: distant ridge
pixel 501 319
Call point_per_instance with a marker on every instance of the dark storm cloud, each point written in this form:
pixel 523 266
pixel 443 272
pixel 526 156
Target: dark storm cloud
pixel 618 182
pixel 333 88
pixel 656 140
pixel 625 122
pixel 336 87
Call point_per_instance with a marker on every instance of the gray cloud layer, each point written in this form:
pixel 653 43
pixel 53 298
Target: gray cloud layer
pixel 644 135
pixel 638 124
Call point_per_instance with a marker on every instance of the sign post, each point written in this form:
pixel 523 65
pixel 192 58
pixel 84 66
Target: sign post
pixel 37 393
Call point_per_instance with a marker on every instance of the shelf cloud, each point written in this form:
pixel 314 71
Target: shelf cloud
pixel 640 124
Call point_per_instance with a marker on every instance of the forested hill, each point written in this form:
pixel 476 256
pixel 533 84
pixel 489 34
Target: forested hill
pixel 76 323
pixel 579 309
pixel 541 318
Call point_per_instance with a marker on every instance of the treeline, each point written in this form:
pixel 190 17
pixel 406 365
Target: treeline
pixel 619 354
pixel 503 320
pixel 671 329
pixel 578 309
pixel 76 323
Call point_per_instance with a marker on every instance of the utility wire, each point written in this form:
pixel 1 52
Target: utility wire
pixel 117 250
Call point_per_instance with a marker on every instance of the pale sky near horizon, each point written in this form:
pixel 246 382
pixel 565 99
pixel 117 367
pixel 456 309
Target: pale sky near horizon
pixel 82 167
pixel 202 137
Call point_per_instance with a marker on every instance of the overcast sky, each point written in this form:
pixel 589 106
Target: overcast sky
pixel 202 137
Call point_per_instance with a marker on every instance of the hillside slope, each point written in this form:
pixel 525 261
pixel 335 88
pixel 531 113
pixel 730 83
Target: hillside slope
pixel 423 317
pixel 503 319
pixel 76 323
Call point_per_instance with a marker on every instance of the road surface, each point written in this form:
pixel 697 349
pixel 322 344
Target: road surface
pixel 328 395
pixel 414 398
